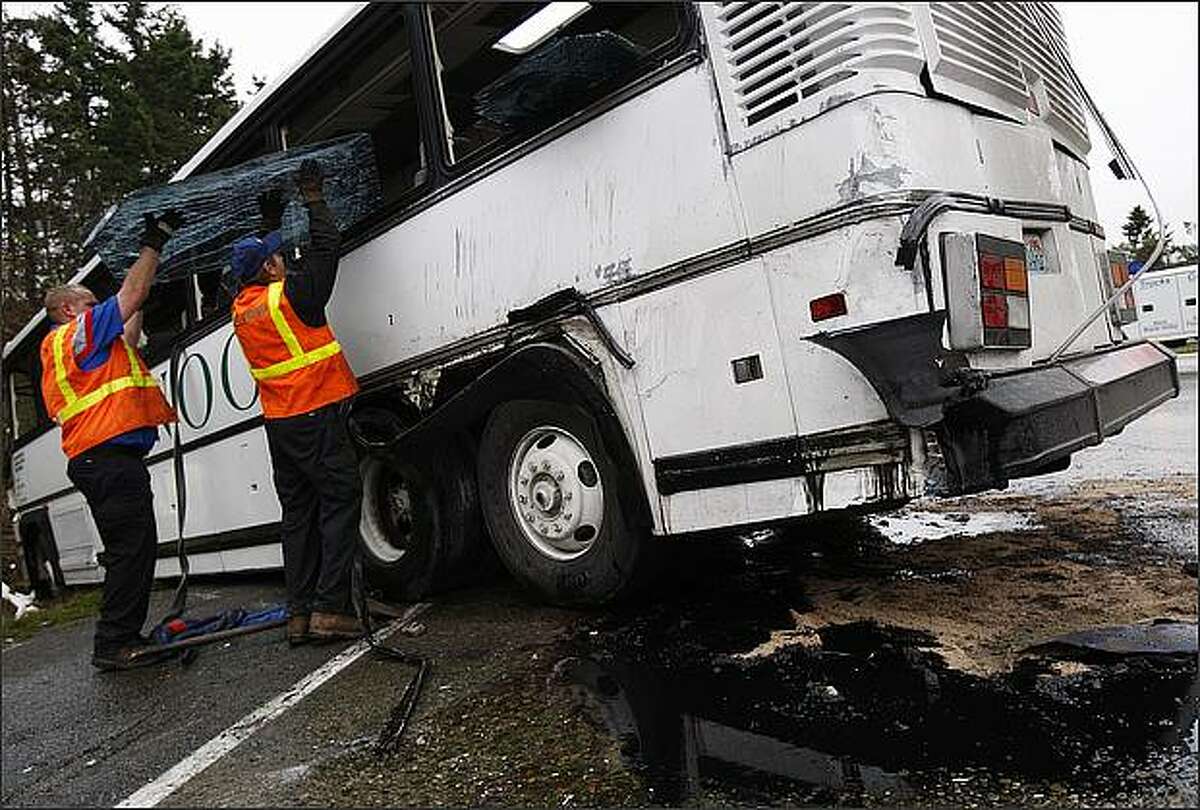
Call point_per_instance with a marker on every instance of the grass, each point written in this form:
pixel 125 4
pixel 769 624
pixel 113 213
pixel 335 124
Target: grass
pixel 69 607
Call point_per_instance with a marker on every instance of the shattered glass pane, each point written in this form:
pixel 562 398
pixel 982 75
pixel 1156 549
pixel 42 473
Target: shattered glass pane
pixel 555 77
pixel 222 206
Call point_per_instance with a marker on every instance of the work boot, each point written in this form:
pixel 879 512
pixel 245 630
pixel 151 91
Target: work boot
pixel 139 653
pixel 297 629
pixel 329 626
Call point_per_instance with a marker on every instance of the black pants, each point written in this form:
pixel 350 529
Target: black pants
pixel 116 484
pixel 316 478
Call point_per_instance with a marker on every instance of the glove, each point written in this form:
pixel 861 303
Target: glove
pixel 159 227
pixel 310 180
pixel 270 209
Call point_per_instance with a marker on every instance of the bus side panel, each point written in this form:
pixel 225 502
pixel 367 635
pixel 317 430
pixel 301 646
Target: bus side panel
pixel 634 190
pixel 686 339
pixel 857 262
pixel 229 485
pixel 77 539
pixel 39 469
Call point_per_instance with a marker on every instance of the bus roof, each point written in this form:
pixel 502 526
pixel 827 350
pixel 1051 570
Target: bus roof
pixel 220 137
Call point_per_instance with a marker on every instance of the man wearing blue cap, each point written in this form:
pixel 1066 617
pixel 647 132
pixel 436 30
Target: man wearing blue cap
pixel 304 382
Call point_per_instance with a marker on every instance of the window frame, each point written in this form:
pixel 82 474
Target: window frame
pixel 686 39
pixel 25 357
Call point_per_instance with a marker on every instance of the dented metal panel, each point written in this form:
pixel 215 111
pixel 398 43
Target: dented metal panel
pixel 780 64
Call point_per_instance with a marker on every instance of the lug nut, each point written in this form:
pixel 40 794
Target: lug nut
pixel 558 476
pixel 567 516
pixel 522 498
pixel 568 496
pixel 545 465
pixel 524 482
pixel 556 528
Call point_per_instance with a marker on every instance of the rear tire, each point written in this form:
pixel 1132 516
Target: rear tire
pixel 550 494
pixel 420 531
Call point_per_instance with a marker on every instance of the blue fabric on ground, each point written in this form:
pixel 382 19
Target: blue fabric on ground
pixel 180 629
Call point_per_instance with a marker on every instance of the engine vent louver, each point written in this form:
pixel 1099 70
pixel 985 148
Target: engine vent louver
pixel 779 64
pixel 787 62
pixel 994 54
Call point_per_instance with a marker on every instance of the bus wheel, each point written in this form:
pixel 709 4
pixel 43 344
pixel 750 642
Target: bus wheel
pixel 549 491
pixel 420 523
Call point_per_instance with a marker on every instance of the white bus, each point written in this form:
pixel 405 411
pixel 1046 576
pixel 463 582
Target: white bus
pixel 651 270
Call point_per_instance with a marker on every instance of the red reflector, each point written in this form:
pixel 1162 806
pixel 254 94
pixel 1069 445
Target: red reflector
pixel 991 271
pixel 995 311
pixel 827 306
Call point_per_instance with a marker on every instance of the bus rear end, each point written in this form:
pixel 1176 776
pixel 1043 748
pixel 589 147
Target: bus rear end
pixel 915 182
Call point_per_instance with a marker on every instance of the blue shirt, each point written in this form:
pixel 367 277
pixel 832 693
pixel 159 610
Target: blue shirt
pixel 99 328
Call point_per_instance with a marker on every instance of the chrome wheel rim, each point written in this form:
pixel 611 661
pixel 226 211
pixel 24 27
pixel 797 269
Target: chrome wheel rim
pixel 556 494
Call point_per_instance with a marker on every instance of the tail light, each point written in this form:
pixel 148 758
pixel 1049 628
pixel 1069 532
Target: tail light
pixel 987 292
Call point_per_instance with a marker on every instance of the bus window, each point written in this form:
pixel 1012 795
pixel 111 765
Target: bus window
pixel 164 317
pixel 23 388
pixel 371 93
pixel 214 297
pixel 509 71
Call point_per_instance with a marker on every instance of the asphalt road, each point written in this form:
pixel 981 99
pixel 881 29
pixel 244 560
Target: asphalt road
pixel 496 724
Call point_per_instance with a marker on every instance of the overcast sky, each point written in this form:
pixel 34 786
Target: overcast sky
pixel 1137 59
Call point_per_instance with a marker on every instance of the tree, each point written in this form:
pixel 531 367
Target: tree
pixel 1141 238
pixel 97 101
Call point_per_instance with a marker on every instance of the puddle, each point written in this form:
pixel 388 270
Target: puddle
pixel 907 528
pixel 874 716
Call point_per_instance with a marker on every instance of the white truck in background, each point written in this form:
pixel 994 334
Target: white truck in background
pixel 1166 305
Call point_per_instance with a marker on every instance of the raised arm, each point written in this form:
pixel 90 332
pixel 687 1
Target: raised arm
pixel 136 287
pixel 133 329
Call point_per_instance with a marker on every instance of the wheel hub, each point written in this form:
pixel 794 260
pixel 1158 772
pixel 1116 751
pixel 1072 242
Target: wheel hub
pixel 556 493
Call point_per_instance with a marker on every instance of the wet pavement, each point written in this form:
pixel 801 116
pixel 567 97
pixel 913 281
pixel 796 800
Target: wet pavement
pixel 929 657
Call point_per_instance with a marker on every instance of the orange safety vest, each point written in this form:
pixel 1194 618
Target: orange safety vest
pixel 94 406
pixel 298 368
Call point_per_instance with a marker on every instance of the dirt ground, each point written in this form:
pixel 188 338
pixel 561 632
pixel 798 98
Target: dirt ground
pixel 987 598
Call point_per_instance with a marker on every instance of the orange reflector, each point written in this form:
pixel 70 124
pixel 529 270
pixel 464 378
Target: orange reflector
pixel 827 306
pixel 991 271
pixel 1014 275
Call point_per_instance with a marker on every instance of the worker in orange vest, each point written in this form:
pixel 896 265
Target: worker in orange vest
pixel 304 386
pixel 109 407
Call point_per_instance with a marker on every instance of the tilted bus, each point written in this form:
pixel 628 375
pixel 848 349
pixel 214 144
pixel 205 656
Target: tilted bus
pixel 651 270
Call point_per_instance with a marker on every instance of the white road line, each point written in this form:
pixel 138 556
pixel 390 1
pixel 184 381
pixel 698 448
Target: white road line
pixel 229 739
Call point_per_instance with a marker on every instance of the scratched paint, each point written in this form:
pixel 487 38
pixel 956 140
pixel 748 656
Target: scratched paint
pixel 867 177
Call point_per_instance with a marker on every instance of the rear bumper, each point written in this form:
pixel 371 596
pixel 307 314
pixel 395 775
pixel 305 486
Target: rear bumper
pixel 1030 421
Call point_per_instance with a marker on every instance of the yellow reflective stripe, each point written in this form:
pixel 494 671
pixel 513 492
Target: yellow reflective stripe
pixel 274 292
pixel 288 366
pixel 60 366
pixel 93 398
pixel 135 368
pixel 78 404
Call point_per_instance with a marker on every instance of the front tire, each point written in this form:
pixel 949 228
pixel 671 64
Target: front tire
pixel 549 491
